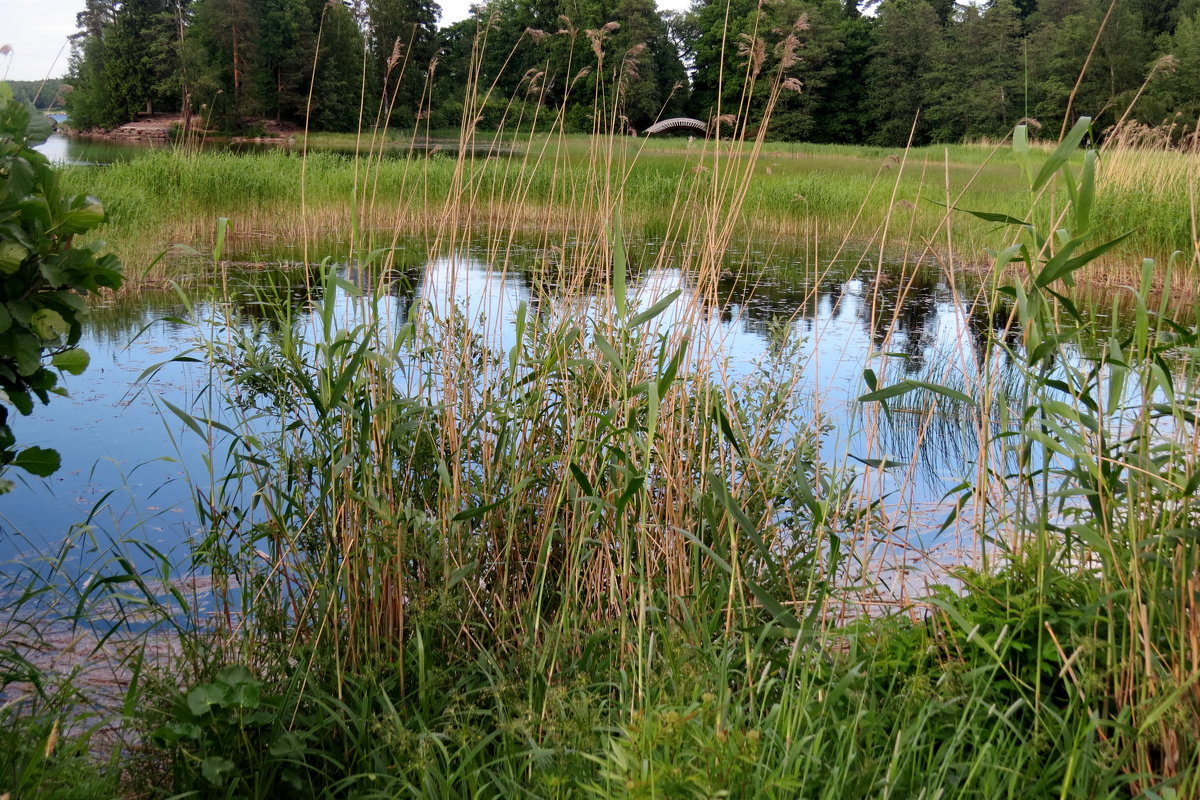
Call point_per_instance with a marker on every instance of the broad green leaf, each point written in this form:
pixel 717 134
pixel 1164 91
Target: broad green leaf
pixel 667 376
pixel 1056 269
pixel 610 353
pixel 245 695
pixel 88 214
pixel 989 216
pixel 216 770
pixel 38 129
pixel 287 745
pixel 219 244
pixel 783 616
pixel 204 698
pixel 905 386
pixel 39 461
pixel 236 675
pixel 11 256
pixel 887 392
pixel 878 463
pixel 48 324
pixel 581 479
pixel 458 574
pixel 73 361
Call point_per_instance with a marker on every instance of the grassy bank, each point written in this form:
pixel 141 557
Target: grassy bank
pixel 824 193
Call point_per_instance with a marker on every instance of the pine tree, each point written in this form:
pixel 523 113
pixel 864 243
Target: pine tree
pixel 401 39
pixel 908 36
pixel 337 87
pixel 974 86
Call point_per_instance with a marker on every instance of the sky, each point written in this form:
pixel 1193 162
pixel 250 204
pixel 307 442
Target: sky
pixel 36 30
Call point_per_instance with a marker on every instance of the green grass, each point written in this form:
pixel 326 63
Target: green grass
pixel 795 190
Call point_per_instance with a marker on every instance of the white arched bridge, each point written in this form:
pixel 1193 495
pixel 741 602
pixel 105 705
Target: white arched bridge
pixel 676 123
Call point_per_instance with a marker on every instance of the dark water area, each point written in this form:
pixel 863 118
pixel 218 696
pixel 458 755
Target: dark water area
pixel 130 464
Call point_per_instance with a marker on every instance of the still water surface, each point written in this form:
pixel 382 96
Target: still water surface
pixel 127 460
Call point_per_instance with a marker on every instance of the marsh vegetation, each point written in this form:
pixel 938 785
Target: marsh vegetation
pixel 492 499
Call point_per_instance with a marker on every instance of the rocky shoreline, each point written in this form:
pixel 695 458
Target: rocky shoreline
pixel 169 127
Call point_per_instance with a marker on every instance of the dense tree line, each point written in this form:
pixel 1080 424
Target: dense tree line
pixel 879 71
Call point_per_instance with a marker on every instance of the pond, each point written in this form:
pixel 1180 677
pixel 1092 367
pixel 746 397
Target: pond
pixel 129 461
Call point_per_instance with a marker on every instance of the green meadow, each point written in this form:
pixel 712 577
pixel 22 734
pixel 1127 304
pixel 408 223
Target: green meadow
pixel 840 195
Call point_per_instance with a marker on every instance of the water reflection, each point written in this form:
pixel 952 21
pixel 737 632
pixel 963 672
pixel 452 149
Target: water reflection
pixel 127 457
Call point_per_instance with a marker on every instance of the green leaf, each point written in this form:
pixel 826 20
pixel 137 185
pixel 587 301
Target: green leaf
pixel 21 401
pixel 216 769
pixel 85 214
pixel 887 392
pixel 48 324
pixel 237 675
pixel 610 353
pixel 11 256
pixel 1021 151
pixel 475 511
pixel 1060 267
pixel 1062 154
pixel 879 463
pixel 616 240
pixel 945 391
pixel 287 745
pixel 38 129
pixel 1086 194
pixel 73 361
pixel 204 698
pixel 581 479
pixel 905 386
pixel 39 461
pixel 245 695
pixel 219 243
pixel 654 310
pixel 989 216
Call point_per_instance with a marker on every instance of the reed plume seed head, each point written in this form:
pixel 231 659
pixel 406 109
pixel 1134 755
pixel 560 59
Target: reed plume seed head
pixel 786 51
pixel 596 38
pixel 754 51
pixel 1164 63
pixel 394 58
